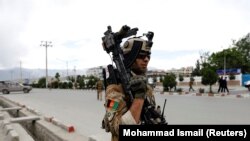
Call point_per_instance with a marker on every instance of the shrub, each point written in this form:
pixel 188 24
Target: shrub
pixel 179 90
pixel 232 77
pixel 201 90
pixel 181 78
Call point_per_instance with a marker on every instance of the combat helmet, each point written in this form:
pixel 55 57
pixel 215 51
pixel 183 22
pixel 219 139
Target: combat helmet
pixel 132 47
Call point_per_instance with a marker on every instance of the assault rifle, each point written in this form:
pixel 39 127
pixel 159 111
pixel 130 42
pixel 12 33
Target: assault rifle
pixel 111 43
pixel 121 74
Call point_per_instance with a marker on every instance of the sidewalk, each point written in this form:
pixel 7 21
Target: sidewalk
pixel 234 91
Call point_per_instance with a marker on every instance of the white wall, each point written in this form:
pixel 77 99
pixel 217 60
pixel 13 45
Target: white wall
pixel 198 79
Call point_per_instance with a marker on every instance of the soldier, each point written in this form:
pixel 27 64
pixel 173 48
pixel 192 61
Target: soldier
pixel 99 87
pixel 137 53
pixel 191 82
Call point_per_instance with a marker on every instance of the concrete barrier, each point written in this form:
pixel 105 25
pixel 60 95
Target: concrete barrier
pixel 40 130
pixel 12 136
pixel 12 131
pixel 68 127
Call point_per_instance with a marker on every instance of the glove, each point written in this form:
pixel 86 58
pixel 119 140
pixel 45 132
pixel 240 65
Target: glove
pixel 138 85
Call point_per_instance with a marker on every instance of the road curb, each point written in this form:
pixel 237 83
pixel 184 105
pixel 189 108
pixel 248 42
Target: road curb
pixel 207 94
pixel 68 127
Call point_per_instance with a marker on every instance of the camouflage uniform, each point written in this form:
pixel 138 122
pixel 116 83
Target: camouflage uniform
pixel 117 110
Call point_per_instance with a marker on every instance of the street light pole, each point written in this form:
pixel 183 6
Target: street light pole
pixel 46 44
pixel 224 58
pixel 224 64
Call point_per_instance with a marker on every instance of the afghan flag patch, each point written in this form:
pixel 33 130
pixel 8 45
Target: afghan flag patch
pixel 112 104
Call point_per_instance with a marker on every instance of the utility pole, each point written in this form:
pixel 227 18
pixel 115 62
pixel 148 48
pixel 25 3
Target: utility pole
pixel 46 44
pixel 224 56
pixel 21 79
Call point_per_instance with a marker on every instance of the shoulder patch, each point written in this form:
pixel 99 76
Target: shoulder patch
pixel 112 104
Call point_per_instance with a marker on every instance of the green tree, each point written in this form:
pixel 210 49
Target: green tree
pixel 80 81
pixel 236 56
pixel 71 78
pixel 209 76
pixel 55 84
pixel 92 81
pixel 57 76
pixel 41 82
pixel 78 78
pixel 169 82
pixel 243 46
pixel 70 85
pixel 231 58
pixel 64 85
pixel 82 84
pixel 197 69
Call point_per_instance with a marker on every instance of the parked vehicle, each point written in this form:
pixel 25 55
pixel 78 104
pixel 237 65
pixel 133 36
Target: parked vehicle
pixel 8 86
pixel 247 84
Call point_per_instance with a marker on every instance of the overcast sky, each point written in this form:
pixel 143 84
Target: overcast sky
pixel 183 29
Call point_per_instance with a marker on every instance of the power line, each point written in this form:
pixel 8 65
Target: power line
pixel 67 63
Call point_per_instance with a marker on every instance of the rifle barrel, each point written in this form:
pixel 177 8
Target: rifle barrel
pixel 163 108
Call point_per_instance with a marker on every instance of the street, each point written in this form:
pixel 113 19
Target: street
pixel 82 109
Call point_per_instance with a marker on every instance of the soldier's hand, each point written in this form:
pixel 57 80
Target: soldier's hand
pixel 138 85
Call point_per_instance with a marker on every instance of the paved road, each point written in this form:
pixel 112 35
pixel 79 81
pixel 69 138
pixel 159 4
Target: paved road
pixel 81 109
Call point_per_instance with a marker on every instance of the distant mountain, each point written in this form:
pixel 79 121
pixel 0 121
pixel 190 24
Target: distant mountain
pixel 16 74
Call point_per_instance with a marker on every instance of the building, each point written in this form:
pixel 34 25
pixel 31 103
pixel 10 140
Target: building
pixel 96 72
pixel 152 74
pixel 185 72
pixel 155 75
